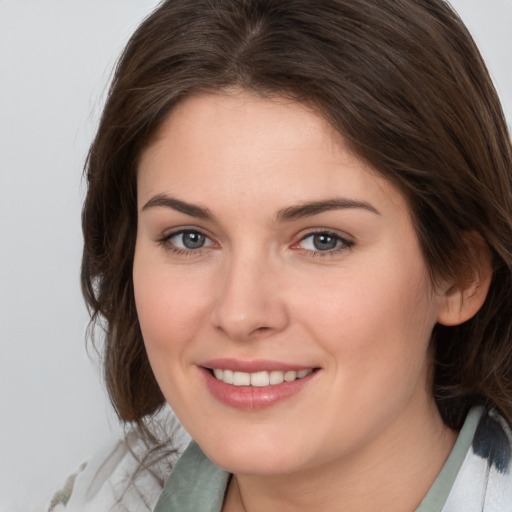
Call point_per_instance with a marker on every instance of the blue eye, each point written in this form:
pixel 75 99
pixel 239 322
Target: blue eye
pixel 188 239
pixel 324 242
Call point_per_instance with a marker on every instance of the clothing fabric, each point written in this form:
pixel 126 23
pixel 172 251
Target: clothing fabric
pixel 125 475
pixel 476 477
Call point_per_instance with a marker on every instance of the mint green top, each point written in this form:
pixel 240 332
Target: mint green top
pixel 198 485
pixel 437 495
pixel 195 485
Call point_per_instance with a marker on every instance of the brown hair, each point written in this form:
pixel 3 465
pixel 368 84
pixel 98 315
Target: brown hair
pixel 401 80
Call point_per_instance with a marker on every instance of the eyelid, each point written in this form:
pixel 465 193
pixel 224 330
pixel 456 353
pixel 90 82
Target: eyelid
pixel 346 240
pixel 164 240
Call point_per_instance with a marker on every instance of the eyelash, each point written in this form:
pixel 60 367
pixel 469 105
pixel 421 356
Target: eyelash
pixel 342 244
pixel 165 242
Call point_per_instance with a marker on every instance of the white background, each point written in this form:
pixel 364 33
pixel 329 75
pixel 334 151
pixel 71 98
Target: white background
pixel 55 62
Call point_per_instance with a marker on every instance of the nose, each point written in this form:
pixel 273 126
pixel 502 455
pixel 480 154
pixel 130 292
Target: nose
pixel 250 301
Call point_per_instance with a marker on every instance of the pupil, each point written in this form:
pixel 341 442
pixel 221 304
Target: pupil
pixel 193 240
pixel 324 242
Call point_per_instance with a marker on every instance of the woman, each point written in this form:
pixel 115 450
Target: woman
pixel 298 234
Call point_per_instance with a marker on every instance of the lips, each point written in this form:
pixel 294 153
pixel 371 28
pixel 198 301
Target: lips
pixel 254 385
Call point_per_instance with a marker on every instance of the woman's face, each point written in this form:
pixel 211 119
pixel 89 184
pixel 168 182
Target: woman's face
pixel 282 295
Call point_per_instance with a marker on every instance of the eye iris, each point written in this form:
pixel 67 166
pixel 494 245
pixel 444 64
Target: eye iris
pixel 324 242
pixel 193 240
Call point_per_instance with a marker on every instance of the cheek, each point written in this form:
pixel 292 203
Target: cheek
pixel 384 314
pixel 170 305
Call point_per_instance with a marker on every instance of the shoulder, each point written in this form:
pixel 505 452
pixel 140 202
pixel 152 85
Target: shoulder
pixel 127 474
pixel 484 482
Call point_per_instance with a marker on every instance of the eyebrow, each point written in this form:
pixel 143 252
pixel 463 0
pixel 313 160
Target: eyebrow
pixel 316 207
pixel 285 215
pixel 180 206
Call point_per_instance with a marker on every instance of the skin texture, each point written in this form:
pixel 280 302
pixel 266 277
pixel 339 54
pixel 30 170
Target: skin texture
pixel 364 428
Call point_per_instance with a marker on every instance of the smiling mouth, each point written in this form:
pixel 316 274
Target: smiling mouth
pixel 255 385
pixel 259 379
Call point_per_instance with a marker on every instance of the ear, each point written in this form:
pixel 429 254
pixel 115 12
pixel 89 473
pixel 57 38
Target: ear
pixel 460 302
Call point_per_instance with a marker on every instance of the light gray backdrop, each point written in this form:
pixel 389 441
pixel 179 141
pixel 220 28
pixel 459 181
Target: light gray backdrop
pixel 55 62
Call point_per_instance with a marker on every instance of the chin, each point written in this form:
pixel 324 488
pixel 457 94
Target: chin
pixel 256 456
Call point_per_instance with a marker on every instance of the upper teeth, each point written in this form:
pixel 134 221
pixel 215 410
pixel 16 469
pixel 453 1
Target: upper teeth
pixel 258 379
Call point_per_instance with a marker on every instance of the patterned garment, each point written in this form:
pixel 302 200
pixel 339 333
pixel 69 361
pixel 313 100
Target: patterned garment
pixel 484 482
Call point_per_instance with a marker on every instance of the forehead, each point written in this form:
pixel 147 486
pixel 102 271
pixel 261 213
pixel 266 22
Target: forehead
pixel 239 145
pixel 240 115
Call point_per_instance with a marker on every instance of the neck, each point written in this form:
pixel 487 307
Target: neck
pixel 391 474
